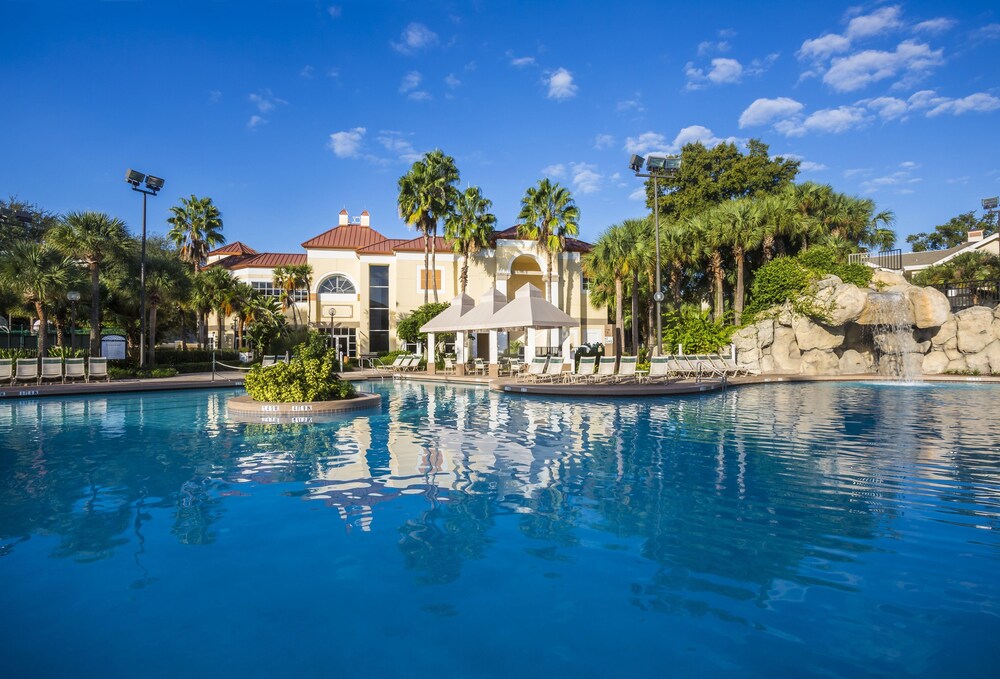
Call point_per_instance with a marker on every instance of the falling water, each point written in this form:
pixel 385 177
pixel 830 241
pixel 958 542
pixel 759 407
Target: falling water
pixel 899 356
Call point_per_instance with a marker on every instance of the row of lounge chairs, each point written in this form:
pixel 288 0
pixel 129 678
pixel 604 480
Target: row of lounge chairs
pixel 402 364
pixel 611 370
pixel 27 369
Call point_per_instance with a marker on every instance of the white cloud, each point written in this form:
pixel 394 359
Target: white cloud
pixel 697 133
pixel 898 182
pixel 763 111
pixel 939 25
pixel 879 21
pixel 987 32
pixel 707 47
pixel 255 121
pixel 958 180
pixel 804 165
pixel 415 37
pixel 411 81
pixel 307 71
pixel 645 142
pixel 561 85
pixel 333 72
pixel 452 81
pixel 888 108
pixel 521 62
pixel 419 95
pixel 829 120
pixel 394 142
pixel 348 143
pixel 557 171
pixel 634 104
pixel 856 171
pixel 334 11
pixel 214 96
pixel 932 104
pixel 823 47
pixel 603 141
pixel 585 177
pixel 265 101
pixel 974 103
pixel 638 194
pixel 911 59
pixel 761 66
pixel 724 71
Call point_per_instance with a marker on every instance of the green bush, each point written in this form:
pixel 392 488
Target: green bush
pixel 695 330
pixel 176 357
pixel 823 260
pixel 18 353
pixel 310 376
pixel 67 352
pixel 778 281
pixel 116 373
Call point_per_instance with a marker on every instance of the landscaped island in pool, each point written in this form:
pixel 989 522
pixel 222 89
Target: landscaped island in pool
pixel 773 530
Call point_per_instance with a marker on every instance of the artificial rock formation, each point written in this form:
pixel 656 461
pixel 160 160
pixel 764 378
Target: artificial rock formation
pixel 891 327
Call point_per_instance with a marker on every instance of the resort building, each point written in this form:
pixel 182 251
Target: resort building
pixel 914 262
pixel 363 283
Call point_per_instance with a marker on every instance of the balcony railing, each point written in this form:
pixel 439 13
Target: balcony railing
pixel 887 259
pixel 964 294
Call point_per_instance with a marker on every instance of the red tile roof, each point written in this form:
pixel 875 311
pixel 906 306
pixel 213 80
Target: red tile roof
pixel 236 248
pixel 345 237
pixel 572 244
pixel 417 245
pixel 384 247
pixel 264 260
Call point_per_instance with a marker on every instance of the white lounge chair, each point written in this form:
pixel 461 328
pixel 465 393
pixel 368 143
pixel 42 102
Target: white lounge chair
pixel 6 369
pixel 659 369
pixel 268 360
pixel 605 369
pixel 26 370
pixel 97 368
pixel 626 368
pixel 535 369
pixel 52 369
pixel 75 369
pixel 553 371
pixel 449 366
pixel 478 366
pixel 584 370
pixel 392 367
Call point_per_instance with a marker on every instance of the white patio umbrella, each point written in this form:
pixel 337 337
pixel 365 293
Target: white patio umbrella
pixel 529 310
pixel 449 320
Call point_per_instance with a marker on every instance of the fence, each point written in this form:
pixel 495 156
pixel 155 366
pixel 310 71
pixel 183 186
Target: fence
pixel 964 294
pixel 887 259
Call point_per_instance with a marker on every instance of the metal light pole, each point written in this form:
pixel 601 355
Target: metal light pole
pixel 657 166
pixel 73 296
pixel 990 206
pixel 153 185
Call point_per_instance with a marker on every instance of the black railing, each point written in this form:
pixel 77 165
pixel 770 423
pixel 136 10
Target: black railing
pixel 964 294
pixel 888 259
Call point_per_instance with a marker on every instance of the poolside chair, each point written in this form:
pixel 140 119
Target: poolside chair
pixel 268 360
pixel 410 364
pixel 584 370
pixel 392 367
pixel 553 371
pixel 605 370
pixel 736 370
pixel 26 369
pixel 478 366
pixel 449 366
pixel 52 369
pixel 659 370
pixel 514 366
pixel 626 368
pixel 6 370
pixel 535 369
pixel 75 369
pixel 97 367
pixel 683 366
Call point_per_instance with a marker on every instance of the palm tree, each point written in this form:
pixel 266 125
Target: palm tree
pixel 91 238
pixel 264 320
pixel 469 227
pixel 548 215
pixel 639 256
pixel 39 275
pixel 741 223
pixel 427 194
pixel 607 261
pixel 710 241
pixel 164 283
pixel 218 288
pixel 285 282
pixel 302 280
pixel 196 228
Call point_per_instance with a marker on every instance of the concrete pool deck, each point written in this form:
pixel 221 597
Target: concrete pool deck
pixel 234 379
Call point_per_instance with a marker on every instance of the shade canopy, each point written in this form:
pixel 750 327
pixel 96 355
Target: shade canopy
pixel 452 318
pixel 529 309
pixel 489 304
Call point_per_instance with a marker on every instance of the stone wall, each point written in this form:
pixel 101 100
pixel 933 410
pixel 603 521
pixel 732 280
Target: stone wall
pixel 890 328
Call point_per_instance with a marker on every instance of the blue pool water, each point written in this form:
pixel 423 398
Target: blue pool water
pixel 778 530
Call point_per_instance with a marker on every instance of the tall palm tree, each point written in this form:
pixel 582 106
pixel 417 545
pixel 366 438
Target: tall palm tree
pixel 711 239
pixel 196 228
pixel 39 275
pixel 741 225
pixel 218 287
pixel 163 284
pixel 469 227
pixel 637 235
pixel 91 238
pixel 427 194
pixel 284 280
pixel 605 261
pixel 302 280
pixel 548 215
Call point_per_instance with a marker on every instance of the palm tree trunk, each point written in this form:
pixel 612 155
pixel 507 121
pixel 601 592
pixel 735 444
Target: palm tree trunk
pixel 635 312
pixel 738 302
pixel 650 315
pixel 60 332
pixel 95 310
pixel 718 278
pixel 619 314
pixel 43 330
pixel 151 351
pixel 465 272
pixel 768 247
pixel 427 264
pixel 675 284
pixel 222 328
pixel 434 237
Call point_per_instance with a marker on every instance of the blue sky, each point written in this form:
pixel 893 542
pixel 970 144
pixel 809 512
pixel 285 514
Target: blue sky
pixel 286 112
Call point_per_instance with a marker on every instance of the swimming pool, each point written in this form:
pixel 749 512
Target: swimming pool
pixel 775 530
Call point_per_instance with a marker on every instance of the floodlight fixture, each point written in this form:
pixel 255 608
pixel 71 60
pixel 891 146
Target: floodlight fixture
pixel 73 296
pixel 655 163
pixel 991 203
pixel 134 178
pixel 635 163
pixel 154 184
pixel 23 216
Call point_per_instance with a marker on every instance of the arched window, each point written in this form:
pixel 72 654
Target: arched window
pixel 338 285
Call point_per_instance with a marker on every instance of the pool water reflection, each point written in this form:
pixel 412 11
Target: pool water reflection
pixel 845 530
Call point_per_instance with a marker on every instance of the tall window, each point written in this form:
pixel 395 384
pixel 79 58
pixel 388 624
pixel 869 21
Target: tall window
pixel 267 288
pixel 378 308
pixel 337 284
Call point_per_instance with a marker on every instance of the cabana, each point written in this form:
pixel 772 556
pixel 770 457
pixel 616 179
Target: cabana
pixel 449 320
pixel 530 311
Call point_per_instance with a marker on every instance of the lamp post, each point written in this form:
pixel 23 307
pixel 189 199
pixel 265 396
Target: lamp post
pixel 153 186
pixel 656 167
pixel 73 296
pixel 990 206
